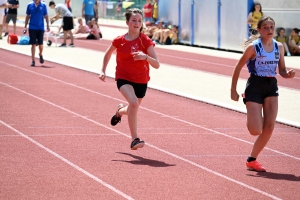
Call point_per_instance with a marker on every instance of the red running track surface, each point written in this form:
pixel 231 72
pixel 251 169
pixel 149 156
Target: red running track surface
pixel 56 142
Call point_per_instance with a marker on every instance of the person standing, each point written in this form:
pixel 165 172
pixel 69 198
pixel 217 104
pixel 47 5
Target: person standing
pixel 68 4
pixel 155 11
pixel 88 10
pixel 262 55
pixel 2 14
pixel 12 13
pixel 35 14
pixel 62 10
pixel 148 11
pixel 135 51
pixel 253 17
pixel 96 10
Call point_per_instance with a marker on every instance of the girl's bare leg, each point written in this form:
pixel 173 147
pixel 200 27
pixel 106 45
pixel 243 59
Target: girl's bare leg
pixel 261 126
pixel 131 110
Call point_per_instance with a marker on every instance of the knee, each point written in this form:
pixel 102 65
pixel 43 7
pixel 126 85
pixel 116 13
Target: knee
pixel 268 127
pixel 134 103
pixel 254 132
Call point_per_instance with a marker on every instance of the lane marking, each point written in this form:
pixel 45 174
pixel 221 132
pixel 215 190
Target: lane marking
pixel 68 162
pixel 149 110
pixel 121 133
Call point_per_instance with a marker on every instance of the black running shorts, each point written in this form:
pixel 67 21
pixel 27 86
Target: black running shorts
pixel 139 88
pixel 258 88
pixel 36 36
pixel 68 23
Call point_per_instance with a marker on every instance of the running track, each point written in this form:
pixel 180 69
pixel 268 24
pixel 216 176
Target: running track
pixel 56 141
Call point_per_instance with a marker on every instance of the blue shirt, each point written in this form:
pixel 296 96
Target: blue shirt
pixel 89 7
pixel 265 63
pixel 37 14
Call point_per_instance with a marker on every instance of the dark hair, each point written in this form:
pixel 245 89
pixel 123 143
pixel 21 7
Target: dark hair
pixel 51 3
pixel 129 12
pixel 259 23
pixel 280 29
pixel 255 4
pixel 296 30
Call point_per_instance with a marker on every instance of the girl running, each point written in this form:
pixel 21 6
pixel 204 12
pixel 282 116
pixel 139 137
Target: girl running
pixel 134 54
pixel 262 57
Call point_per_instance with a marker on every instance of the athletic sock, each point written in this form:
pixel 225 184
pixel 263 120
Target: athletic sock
pixel 250 159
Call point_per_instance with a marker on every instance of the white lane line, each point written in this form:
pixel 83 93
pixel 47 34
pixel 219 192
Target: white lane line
pixel 156 112
pixel 154 147
pixel 68 162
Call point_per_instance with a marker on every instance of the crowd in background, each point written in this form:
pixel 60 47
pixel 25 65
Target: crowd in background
pixel 290 42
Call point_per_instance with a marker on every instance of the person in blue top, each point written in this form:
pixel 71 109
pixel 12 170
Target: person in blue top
pixel 88 10
pixel 36 13
pixel 262 55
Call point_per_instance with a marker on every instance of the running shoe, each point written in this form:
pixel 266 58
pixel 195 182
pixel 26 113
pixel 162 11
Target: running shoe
pixel 0 37
pixel 255 166
pixel 41 59
pixel 63 45
pixel 117 117
pixel 5 34
pixel 137 143
pixel 71 45
pixel 32 64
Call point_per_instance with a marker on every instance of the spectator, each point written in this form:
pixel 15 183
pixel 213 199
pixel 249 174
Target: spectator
pixel 283 40
pixel 12 13
pixel 294 42
pixel 254 16
pixel 81 28
pixel 157 32
pixel 88 9
pixel 68 4
pixel 2 14
pixel 95 33
pixel 83 32
pixel 35 14
pixel 62 10
pixel 169 36
pixel 148 10
pixel 155 11
pixel 150 29
pixel 96 7
pixel 119 8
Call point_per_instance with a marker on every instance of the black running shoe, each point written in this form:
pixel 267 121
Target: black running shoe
pixel 117 117
pixel 63 45
pixel 32 64
pixel 5 34
pixel 137 143
pixel 41 59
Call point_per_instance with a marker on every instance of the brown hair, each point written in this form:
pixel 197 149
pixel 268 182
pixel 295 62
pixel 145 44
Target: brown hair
pixel 129 13
pixel 259 23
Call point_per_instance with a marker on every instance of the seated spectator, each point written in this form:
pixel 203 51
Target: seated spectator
pixel 150 29
pixel 81 28
pixel 169 36
pixel 157 31
pixel 283 40
pixel 294 42
pixel 95 33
